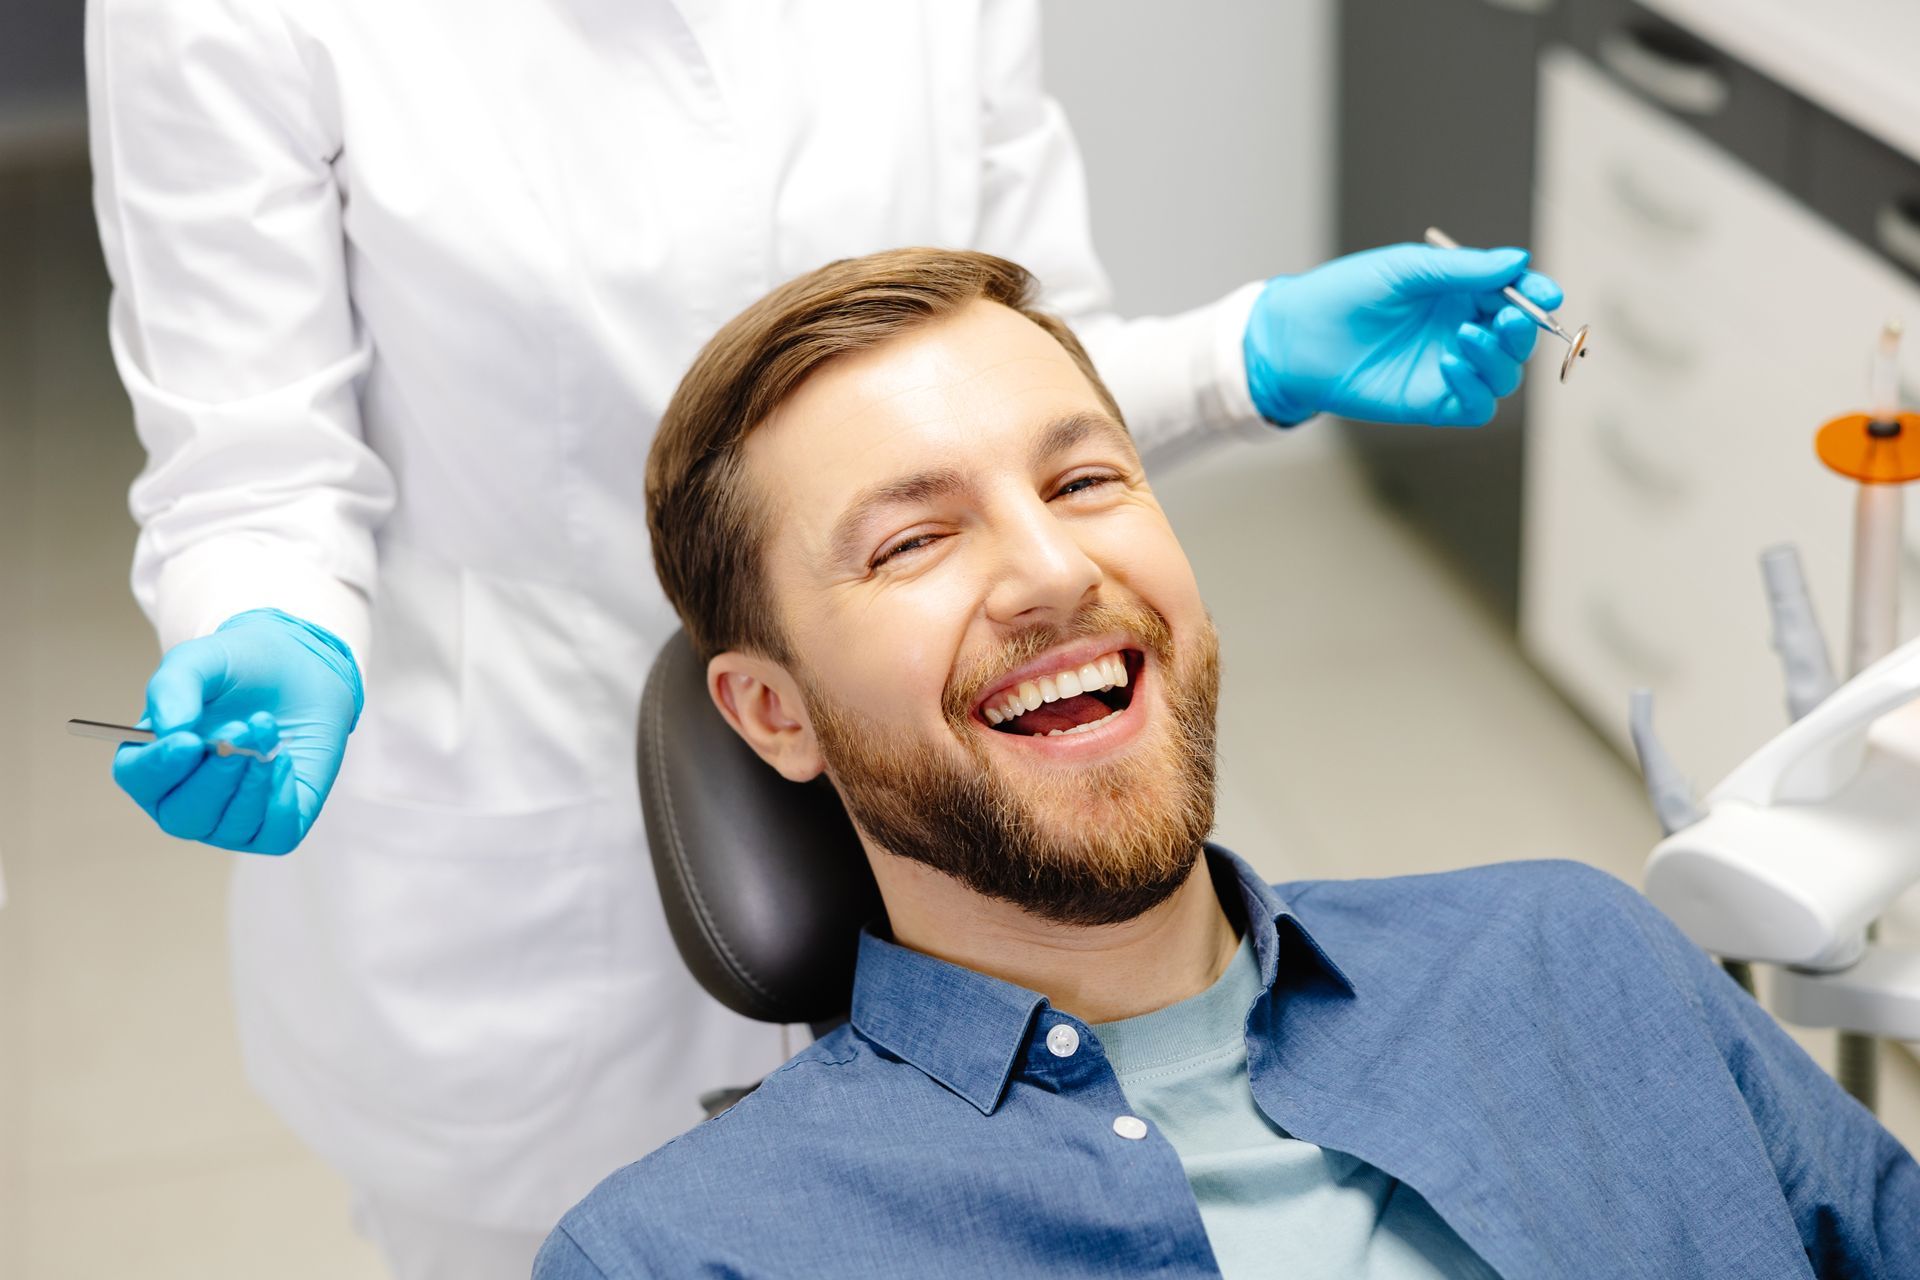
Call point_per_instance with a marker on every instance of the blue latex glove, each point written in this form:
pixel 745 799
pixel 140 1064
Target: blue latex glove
pixel 1407 333
pixel 264 678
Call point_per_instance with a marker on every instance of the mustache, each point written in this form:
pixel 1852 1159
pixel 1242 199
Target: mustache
pixel 1144 624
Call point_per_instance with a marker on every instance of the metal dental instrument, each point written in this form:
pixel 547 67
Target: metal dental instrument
pixel 124 733
pixel 1576 341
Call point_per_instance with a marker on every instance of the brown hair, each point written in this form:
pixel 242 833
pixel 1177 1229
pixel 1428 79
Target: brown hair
pixel 708 527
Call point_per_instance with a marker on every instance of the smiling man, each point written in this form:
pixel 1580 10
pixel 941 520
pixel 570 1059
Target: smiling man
pixel 902 518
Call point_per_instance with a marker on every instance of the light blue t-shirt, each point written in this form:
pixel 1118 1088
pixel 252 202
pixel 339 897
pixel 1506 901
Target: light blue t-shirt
pixel 1272 1204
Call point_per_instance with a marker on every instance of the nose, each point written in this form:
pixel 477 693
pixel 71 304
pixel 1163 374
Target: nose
pixel 1042 572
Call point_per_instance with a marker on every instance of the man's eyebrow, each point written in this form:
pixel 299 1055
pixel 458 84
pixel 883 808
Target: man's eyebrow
pixel 941 482
pixel 1063 433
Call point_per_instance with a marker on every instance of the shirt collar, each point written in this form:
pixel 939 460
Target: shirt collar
pixel 968 1031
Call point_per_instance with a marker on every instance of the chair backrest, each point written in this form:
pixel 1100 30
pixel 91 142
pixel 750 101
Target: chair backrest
pixel 764 881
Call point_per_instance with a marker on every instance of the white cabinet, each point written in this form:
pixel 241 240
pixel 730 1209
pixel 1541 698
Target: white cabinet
pixel 1728 323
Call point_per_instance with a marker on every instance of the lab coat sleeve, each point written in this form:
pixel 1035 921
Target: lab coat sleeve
pixel 212 138
pixel 1181 380
pixel 1853 1189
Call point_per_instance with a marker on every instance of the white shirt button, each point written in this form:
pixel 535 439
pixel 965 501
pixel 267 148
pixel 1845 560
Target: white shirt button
pixel 1130 1127
pixel 1063 1040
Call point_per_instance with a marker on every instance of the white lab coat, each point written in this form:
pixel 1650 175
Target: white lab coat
pixel 400 291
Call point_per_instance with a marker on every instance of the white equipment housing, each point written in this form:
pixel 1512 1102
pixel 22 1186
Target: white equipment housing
pixel 1806 844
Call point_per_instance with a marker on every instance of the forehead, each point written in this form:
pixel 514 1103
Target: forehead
pixel 968 392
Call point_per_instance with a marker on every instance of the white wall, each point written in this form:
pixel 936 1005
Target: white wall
pixel 1207 131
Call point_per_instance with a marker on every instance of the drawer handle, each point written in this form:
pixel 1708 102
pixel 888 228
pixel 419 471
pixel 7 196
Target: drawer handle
pixel 1628 649
pixel 1521 6
pixel 1680 80
pixel 1650 348
pixel 1652 209
pixel 1897 227
pixel 1638 468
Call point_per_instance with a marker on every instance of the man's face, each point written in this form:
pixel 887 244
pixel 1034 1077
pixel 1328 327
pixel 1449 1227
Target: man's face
pixel 1006 666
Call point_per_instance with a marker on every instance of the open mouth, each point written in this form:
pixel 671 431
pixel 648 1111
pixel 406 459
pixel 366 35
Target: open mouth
pixel 1073 699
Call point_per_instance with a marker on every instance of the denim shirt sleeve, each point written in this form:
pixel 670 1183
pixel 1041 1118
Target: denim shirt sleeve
pixel 1854 1190
pixel 562 1258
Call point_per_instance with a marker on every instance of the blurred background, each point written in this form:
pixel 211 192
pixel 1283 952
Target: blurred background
pixel 1429 636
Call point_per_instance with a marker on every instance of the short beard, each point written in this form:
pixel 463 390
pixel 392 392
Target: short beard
pixel 1146 817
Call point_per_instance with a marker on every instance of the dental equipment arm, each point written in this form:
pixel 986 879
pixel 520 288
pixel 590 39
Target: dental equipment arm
pixel 1804 845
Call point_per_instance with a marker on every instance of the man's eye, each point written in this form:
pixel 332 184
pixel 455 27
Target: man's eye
pixel 1080 484
pixel 905 545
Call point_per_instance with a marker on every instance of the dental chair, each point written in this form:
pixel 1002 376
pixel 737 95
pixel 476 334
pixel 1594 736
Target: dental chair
pixel 764 881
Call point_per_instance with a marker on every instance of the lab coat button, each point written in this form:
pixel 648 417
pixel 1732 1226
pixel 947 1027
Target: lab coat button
pixel 1130 1127
pixel 1063 1040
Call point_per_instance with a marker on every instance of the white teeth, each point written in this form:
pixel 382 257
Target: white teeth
pixel 1102 673
pixel 1082 728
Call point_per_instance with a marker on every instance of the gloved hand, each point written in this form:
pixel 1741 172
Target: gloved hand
pixel 264 677
pixel 1406 333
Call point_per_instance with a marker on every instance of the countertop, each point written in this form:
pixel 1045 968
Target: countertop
pixel 1859 59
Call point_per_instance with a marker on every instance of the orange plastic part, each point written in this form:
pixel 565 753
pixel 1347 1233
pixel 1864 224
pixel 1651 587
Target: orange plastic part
pixel 1848 447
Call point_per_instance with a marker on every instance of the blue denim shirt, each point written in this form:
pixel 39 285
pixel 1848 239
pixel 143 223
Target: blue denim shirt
pixel 1572 1085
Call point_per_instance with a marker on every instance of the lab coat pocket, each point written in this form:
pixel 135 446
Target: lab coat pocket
pixel 491 694
pixel 416 965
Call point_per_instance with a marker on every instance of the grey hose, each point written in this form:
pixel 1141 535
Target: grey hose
pixel 1796 631
pixel 1671 794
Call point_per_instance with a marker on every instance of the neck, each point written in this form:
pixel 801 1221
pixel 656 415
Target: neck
pixel 1097 973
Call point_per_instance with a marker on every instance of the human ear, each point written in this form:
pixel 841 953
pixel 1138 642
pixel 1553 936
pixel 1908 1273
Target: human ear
pixel 761 703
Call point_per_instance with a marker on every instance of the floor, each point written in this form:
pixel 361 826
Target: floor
pixel 1376 721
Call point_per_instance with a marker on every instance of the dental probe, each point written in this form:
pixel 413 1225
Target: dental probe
pixel 1576 342
pixel 125 733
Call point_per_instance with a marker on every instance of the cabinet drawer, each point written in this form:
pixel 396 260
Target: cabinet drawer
pixel 1611 603
pixel 1721 696
pixel 1632 172
pixel 1868 190
pixel 1604 612
pixel 1696 86
pixel 1657 190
